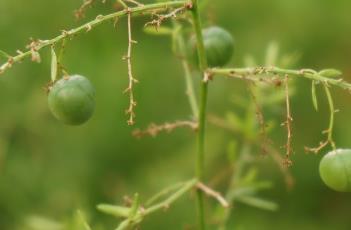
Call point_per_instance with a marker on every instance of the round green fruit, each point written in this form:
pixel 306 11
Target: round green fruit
pixel 219 46
pixel 335 170
pixel 72 100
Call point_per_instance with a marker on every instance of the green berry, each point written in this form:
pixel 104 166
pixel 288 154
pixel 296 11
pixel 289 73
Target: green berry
pixel 219 46
pixel 72 100
pixel 335 170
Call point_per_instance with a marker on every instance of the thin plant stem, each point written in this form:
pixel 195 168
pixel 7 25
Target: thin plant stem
pixel 132 80
pixel 166 203
pixel 136 215
pixel 87 27
pixel 258 74
pixel 288 122
pixel 331 121
pixel 162 193
pixel 202 111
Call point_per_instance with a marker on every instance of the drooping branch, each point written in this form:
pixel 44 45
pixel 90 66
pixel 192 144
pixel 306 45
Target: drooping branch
pixel 40 44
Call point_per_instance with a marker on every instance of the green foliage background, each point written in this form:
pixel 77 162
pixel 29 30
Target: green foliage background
pixel 50 169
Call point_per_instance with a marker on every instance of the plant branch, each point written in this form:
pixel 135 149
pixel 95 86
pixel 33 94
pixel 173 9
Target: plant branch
pixel 266 73
pixel 329 131
pixel 202 112
pixel 132 80
pixel 210 192
pixel 40 44
pixel 136 216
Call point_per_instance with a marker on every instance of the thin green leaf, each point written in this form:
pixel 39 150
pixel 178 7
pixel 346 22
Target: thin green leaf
pixel 314 96
pixel 4 54
pixel 53 64
pixel 258 203
pixel 114 210
pixel 330 73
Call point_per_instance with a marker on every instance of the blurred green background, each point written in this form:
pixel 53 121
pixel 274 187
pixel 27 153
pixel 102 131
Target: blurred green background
pixel 50 169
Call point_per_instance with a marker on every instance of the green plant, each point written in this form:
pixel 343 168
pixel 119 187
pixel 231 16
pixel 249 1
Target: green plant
pixel 72 99
pixel 335 170
pixel 244 185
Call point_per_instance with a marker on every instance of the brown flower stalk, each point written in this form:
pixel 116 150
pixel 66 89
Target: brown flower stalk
pixel 210 192
pixel 132 80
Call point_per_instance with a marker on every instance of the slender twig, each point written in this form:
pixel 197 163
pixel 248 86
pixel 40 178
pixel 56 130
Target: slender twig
pixel 329 131
pixel 210 192
pixel 132 80
pixel 202 112
pixel 153 129
pixel 163 192
pixel 287 123
pixel 264 73
pixel 88 26
pixel 167 202
pixel 331 120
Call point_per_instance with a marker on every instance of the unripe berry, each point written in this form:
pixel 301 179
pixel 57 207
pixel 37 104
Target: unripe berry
pixel 72 100
pixel 335 170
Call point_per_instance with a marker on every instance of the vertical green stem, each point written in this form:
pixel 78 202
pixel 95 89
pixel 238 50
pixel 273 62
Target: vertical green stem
pixel 331 121
pixel 202 111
